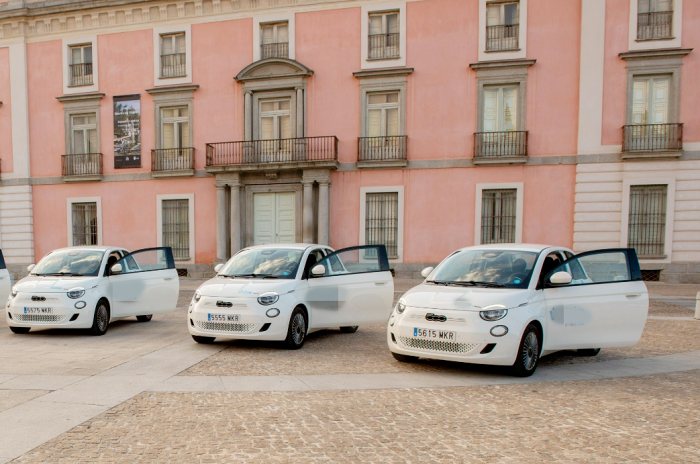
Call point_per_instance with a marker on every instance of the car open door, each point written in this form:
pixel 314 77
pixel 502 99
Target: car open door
pixel 356 288
pixel 146 282
pixel 5 281
pixel 604 305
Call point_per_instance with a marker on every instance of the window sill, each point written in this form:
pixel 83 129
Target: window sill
pixel 388 58
pixel 655 39
pixel 503 50
pixel 640 155
pixel 652 257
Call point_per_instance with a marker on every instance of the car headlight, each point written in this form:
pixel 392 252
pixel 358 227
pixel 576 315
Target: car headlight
pixel 13 292
pixel 493 313
pixel 197 296
pixel 269 298
pixel 76 292
pixel 400 307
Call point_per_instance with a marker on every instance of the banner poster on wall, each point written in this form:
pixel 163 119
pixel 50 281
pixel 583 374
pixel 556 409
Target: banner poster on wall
pixel 127 132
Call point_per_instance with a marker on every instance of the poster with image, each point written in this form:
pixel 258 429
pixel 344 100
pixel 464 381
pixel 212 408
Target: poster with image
pixel 127 132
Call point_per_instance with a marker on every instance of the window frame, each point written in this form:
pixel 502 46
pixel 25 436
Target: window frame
pixel 67 45
pixel 260 20
pixel 69 216
pixel 158 32
pixel 177 124
pixel 159 222
pixel 509 54
pixel 85 128
pixel 366 10
pixel 399 190
pixel 519 187
pixel 649 44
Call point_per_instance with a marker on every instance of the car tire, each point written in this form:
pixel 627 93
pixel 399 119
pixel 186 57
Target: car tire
pixel 20 330
pixel 404 358
pixel 144 318
pixel 588 352
pixel 528 354
pixel 349 329
pixel 203 340
pixel 100 320
pixel 296 332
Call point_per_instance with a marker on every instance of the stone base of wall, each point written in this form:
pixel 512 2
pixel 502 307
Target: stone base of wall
pixel 680 273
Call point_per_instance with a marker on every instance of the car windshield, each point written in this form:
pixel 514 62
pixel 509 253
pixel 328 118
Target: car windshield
pixel 70 263
pixel 270 263
pixel 486 268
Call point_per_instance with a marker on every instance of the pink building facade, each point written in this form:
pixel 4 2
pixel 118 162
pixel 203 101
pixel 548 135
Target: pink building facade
pixel 426 125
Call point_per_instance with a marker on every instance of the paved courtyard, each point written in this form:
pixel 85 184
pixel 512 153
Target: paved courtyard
pixel 145 392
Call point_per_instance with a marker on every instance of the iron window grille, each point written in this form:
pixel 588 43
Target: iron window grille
pixel 498 216
pixel 647 220
pixel 176 227
pixel 382 221
pixel 84 225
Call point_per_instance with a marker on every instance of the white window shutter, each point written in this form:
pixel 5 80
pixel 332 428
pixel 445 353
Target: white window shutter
pixel 374 123
pixel 392 121
pixel 640 99
pixel 285 122
pixel 510 109
pixel 493 15
pixel 267 128
pixel 660 100
pixel 490 110
pixel 375 24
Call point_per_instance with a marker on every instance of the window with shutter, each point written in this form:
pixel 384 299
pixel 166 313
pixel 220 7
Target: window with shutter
pixel 382 221
pixel 176 227
pixel 84 223
pixel 384 34
pixel 646 230
pixel 502 26
pixel 498 216
pixel 173 55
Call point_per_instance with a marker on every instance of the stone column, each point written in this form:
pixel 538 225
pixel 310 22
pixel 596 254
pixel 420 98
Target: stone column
pixel 300 113
pixel 248 115
pixel 323 213
pixel 221 223
pixel 308 213
pixel 235 217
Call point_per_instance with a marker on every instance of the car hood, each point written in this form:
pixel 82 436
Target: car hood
pixel 34 284
pixel 428 296
pixel 223 287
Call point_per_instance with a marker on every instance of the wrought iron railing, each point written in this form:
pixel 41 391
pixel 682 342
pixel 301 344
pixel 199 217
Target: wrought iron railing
pixel 80 74
pixel 502 37
pixel 274 50
pixel 172 159
pixel 655 25
pixel 383 46
pixel 273 151
pixel 495 145
pixel 173 65
pixel 387 148
pixel 652 137
pixel 83 164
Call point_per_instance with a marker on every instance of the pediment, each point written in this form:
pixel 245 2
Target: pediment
pixel 273 68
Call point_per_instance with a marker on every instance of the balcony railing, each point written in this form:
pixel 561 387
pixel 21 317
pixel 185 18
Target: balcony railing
pixel 274 50
pixel 80 74
pixel 644 138
pixel 655 25
pixel 378 149
pixel 502 37
pixel 82 165
pixel 172 159
pixel 173 65
pixel 497 145
pixel 383 46
pixel 297 150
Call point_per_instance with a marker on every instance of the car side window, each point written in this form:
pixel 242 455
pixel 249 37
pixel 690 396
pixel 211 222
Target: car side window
pixel 151 259
pixel 551 261
pixel 356 260
pixel 313 259
pixel 111 261
pixel 606 266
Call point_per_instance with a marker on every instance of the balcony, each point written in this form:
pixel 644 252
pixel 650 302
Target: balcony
pixel 387 151
pixel 655 25
pixel 500 147
pixel 82 167
pixel 279 154
pixel 173 65
pixel 80 74
pixel 652 140
pixel 274 50
pixel 169 162
pixel 383 46
pixel 502 37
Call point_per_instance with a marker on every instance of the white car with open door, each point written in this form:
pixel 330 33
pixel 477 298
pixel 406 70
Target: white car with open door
pixel 5 280
pixel 87 287
pixel 283 292
pixel 510 304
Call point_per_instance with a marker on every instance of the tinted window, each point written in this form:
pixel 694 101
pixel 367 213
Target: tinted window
pixel 597 268
pixel 70 262
pixel 280 263
pixel 508 268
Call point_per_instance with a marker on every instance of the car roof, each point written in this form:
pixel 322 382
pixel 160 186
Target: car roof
pixel 534 247
pixel 296 246
pixel 101 248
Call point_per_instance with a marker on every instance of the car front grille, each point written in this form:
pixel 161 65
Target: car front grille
pixel 437 345
pixel 225 326
pixel 38 317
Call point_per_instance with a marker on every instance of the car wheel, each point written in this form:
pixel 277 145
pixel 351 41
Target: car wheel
pixel 100 321
pixel 348 329
pixel 403 357
pixel 203 340
pixel 144 318
pixel 20 330
pixel 528 353
pixel 296 333
pixel 588 351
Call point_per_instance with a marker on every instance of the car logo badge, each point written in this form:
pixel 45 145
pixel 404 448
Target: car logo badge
pixel 435 317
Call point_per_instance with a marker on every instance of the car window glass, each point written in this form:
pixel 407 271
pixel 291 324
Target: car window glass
pixel 356 260
pixel 597 268
pixel 70 262
pixel 486 267
pixel 278 263
pixel 155 259
pixel 113 258
pixel 314 258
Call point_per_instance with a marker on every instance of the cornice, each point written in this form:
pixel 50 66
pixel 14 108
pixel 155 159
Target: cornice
pixel 172 88
pixel 80 97
pixel 502 64
pixel 383 72
pixel 657 53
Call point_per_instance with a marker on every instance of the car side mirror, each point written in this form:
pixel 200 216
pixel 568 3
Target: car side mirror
pixel 318 270
pixel 426 272
pixel 560 278
pixel 116 269
pixel 218 267
pixel 30 267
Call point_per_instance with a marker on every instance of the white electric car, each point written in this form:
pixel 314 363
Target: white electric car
pixel 5 280
pixel 282 292
pixel 87 287
pixel 510 304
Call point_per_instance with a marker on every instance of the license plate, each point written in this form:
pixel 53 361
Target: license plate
pixel 222 317
pixel 36 310
pixel 434 334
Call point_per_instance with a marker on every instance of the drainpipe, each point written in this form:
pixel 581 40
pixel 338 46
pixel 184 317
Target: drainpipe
pixel 697 306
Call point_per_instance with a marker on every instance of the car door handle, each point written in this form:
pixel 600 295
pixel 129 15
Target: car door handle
pixel 380 283
pixel 633 295
pixel 169 278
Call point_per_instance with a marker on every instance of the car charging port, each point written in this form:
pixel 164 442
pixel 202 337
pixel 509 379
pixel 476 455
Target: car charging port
pixel 488 348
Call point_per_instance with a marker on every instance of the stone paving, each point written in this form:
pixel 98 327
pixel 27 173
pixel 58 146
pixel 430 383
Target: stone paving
pixel 640 418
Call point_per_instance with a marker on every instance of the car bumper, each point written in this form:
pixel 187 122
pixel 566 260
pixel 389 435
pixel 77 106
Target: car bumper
pixel 463 337
pixel 55 311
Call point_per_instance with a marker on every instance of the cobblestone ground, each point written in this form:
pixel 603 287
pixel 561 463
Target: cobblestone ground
pixel 611 421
